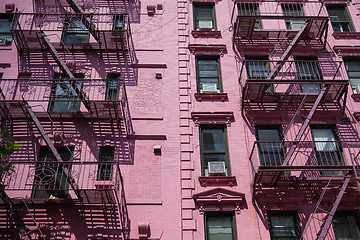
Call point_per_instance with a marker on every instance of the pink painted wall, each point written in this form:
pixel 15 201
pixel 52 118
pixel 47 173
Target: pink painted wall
pixel 159 189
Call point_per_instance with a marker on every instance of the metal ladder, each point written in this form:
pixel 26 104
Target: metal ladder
pixel 54 53
pixel 14 215
pixel 286 54
pixel 327 220
pixel 85 20
pixel 70 179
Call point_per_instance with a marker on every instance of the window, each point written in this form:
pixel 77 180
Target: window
pixel 118 23
pixel 49 178
pixel 339 18
pixel 75 31
pixel 214 151
pixel 271 149
pixel 250 9
pixel 346 225
pixel 308 69
pixel 105 167
pixel 220 226
pixel 112 87
pixel 293 10
pixel 63 96
pixel 258 68
pixel 208 75
pixel 353 71
pixel 283 225
pixel 328 150
pixel 204 17
pixel 5 35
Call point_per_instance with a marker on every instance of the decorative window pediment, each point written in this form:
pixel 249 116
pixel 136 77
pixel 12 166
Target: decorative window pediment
pixel 208 50
pixel 219 199
pixel 212 118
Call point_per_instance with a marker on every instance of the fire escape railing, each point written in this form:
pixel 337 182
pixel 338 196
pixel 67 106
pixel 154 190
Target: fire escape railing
pixel 247 16
pixel 326 157
pixel 60 95
pixel 99 31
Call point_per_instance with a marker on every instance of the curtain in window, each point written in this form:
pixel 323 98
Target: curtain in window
pixel 64 97
pixel 327 150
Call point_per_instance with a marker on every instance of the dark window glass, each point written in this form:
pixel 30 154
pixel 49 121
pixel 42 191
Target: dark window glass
pixel 339 18
pixel 214 150
pixel 112 87
pixel 283 225
pixel 204 17
pixel 49 178
pixel 220 226
pixel 271 149
pixel 346 225
pixel 105 168
pixel 5 35
pixel 208 75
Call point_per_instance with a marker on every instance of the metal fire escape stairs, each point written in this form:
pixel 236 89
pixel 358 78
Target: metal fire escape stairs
pixel 329 213
pixel 54 53
pixel 14 215
pixel 286 54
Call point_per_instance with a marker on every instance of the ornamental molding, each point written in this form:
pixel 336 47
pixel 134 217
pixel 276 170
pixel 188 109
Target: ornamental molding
pixel 219 199
pixel 212 118
pixel 208 50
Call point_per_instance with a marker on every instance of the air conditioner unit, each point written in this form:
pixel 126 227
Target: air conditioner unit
pixel 205 24
pixel 3 41
pixel 209 88
pixel 216 168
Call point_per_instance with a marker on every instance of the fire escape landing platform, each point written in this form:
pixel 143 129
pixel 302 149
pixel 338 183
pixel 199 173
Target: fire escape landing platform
pixel 102 32
pixel 297 83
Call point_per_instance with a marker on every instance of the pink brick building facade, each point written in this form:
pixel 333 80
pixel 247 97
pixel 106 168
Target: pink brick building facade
pixel 183 119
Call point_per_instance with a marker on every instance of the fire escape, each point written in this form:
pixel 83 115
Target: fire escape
pixel 34 32
pixel 280 87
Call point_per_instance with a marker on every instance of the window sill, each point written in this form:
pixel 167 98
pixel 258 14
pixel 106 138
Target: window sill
pixel 356 97
pixel 211 96
pixel 104 185
pixel 346 35
pixel 206 33
pixel 5 47
pixel 217 180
